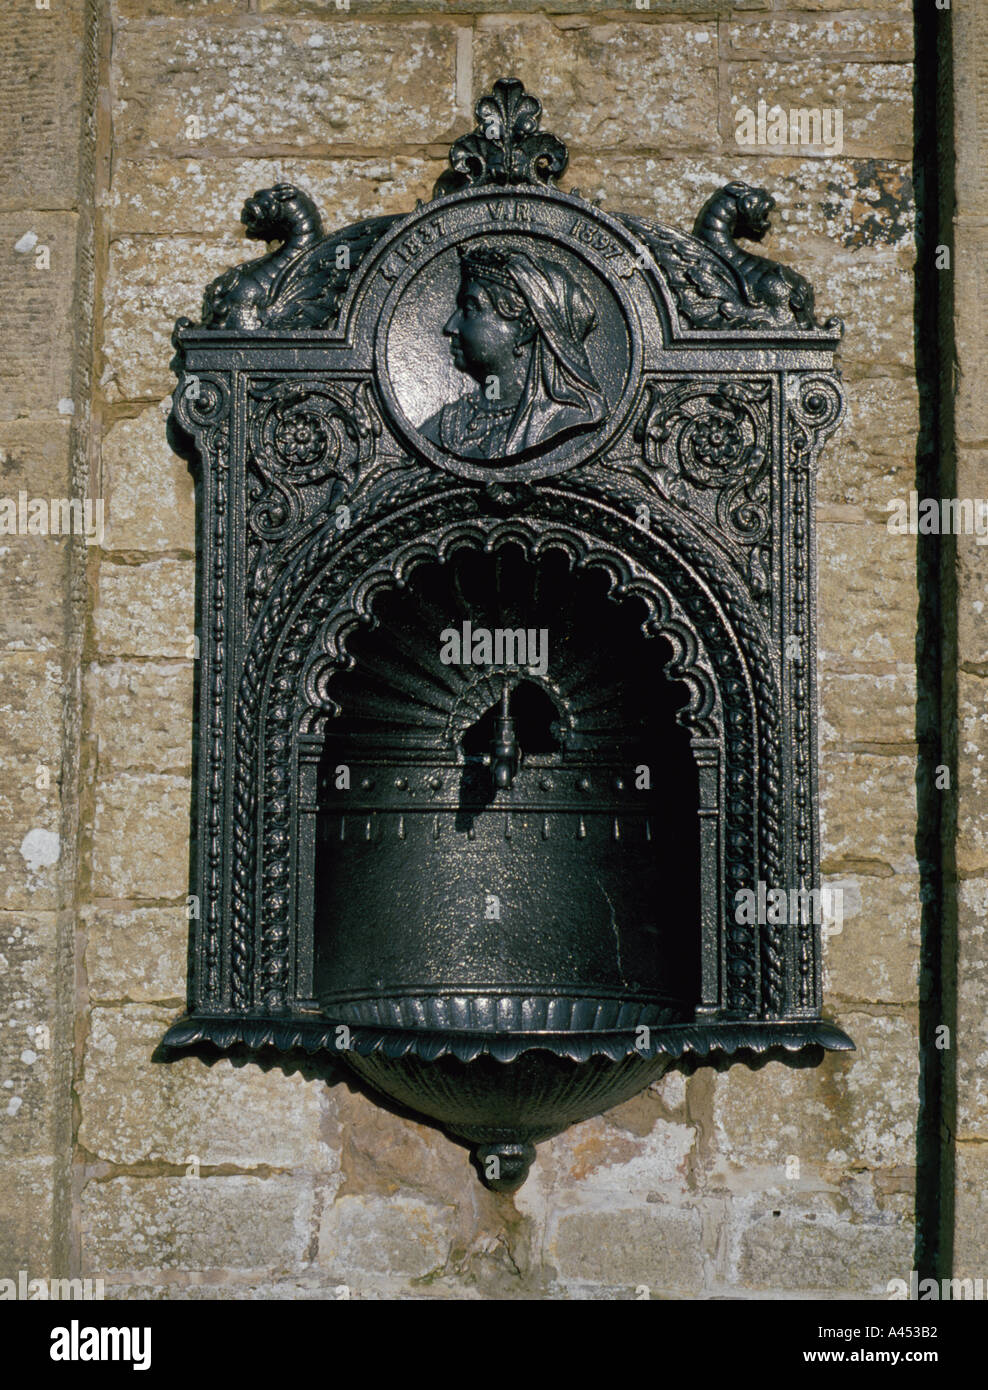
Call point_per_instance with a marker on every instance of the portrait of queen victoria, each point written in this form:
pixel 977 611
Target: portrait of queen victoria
pixel 519 330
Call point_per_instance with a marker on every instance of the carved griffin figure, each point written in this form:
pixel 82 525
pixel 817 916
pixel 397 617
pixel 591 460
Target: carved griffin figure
pixel 298 285
pixel 716 282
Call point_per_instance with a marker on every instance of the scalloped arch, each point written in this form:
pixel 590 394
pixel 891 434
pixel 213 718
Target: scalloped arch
pixel 627 582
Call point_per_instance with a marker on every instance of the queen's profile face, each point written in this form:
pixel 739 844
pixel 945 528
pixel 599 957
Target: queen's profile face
pixel 483 343
pixel 518 330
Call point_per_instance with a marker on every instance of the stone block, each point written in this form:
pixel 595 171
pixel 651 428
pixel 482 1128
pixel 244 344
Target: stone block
pixel 650 86
pixel 150 284
pixel 811 1243
pixel 30 762
pixel 41 68
pixel 972 579
pixel 383 1153
pixel 283 86
pixel 401 1235
pixel 178 9
pixel 146 610
pixel 845 36
pixel 633 1150
pixel 971 1039
pixel 34 470
pixel 141 837
pixel 33 581
pixel 28 1035
pixel 142 715
pixel 221 1223
pixel 35 458
pixel 151 497
pixel 864 203
pixel 622 1247
pixel 874 957
pixel 287 1289
pixel 873 6
pixel 867 595
pixel 203 197
pixel 196 1288
pixel 134 1110
pixel 26 1218
pixel 878 1094
pixel 970 43
pixel 136 956
pixel 671 1091
pixel 874 99
pixel 767 1116
pixel 872 289
pixel 36 315
pixel 971 1212
pixel 868 814
pixel 853 1108
pixel 30 847
pixel 971 298
pixel 865 710
pixel 31 709
pixel 871 461
pixel 972 774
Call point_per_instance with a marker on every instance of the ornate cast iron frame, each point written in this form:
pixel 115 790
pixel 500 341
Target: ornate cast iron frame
pixel 315 493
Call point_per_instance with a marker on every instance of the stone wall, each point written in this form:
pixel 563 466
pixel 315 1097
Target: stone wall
pixel 967 429
pixel 154 119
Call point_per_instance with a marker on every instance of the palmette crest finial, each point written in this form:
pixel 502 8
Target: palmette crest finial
pixel 507 146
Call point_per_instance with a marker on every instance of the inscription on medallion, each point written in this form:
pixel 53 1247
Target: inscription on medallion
pixel 598 240
pixel 411 247
pixel 516 211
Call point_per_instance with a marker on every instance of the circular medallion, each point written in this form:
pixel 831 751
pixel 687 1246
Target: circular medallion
pixel 506 352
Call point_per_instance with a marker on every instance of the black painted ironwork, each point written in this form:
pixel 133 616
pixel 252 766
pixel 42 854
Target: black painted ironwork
pixel 506 694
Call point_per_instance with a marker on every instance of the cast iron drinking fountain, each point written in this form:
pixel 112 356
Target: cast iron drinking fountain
pixel 506 696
